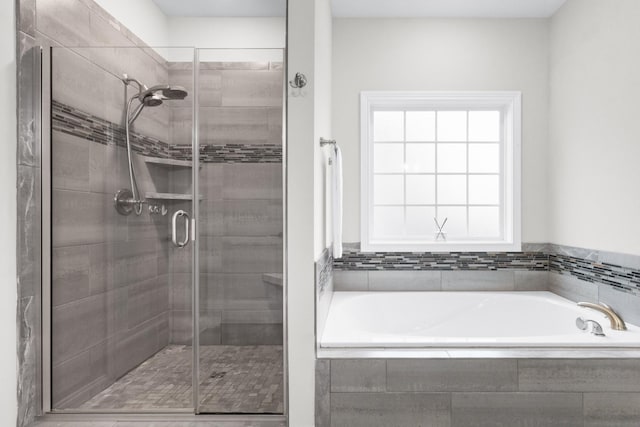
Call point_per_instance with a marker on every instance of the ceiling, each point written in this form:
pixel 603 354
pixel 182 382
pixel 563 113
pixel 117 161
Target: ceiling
pixel 446 8
pixel 229 8
pixel 370 8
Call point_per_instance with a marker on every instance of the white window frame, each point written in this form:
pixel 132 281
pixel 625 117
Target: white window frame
pixel 509 102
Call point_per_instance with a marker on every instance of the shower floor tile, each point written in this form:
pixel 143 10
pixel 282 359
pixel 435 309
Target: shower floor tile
pixel 233 379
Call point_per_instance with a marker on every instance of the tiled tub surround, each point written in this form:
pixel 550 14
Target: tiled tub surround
pixel 477 392
pixel 574 273
pixel 488 388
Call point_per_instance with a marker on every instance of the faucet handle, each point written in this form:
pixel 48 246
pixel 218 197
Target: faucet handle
pixel 596 328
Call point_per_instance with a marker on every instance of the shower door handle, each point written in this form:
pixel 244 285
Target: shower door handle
pixel 174 227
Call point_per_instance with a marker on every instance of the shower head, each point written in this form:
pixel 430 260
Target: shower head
pixel 157 94
pixel 151 100
pixel 154 96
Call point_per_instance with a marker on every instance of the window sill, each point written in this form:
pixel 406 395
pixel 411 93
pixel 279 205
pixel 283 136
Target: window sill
pixel 460 246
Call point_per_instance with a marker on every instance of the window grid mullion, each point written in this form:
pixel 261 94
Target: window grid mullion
pixel 441 173
pixel 404 171
pixel 436 142
pixel 502 176
pixel 467 172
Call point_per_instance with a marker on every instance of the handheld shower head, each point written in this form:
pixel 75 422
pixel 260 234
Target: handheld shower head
pixel 146 97
pixel 153 97
pixel 151 100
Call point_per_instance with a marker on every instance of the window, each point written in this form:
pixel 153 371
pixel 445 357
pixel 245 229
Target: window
pixel 440 171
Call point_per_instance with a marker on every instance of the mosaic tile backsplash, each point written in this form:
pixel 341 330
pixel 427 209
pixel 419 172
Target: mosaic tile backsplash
pixel 623 278
pixel 83 125
pixel 355 260
pixel 555 258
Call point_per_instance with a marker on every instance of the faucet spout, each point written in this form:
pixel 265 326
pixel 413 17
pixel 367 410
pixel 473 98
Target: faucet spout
pixel 617 324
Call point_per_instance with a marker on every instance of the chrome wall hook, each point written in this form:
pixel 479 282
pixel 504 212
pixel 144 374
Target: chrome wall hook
pixel 299 81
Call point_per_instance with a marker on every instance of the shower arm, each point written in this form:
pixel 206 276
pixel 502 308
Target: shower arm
pixel 128 80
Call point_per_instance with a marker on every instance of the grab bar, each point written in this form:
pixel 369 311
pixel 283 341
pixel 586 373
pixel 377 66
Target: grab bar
pixel 174 226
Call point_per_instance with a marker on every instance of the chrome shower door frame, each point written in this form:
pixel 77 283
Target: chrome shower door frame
pixel 42 115
pixel 44 112
pixel 195 232
pixel 195 255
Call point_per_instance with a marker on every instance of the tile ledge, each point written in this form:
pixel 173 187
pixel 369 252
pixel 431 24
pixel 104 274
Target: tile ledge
pixel 478 353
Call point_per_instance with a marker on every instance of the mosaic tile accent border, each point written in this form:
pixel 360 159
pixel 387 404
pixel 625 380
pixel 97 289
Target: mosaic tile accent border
pixel 585 264
pixel 231 153
pixel 622 278
pixel 356 260
pixel 83 125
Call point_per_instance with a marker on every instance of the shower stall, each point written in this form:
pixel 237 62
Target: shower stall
pixel 163 230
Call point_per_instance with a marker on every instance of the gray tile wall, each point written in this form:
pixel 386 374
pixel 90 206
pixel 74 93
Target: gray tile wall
pixel 421 280
pixel 110 297
pixel 86 229
pixel 627 305
pixel 477 392
pixel 241 219
pixel 29 231
pixel 119 289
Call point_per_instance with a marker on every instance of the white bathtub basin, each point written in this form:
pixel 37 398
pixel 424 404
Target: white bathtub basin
pixel 464 319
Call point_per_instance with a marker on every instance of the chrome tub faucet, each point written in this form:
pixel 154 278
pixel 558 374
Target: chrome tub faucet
pixel 617 324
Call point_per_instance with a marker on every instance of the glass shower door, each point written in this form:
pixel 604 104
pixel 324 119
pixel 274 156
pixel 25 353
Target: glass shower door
pixel 120 183
pixel 240 230
pixel 132 277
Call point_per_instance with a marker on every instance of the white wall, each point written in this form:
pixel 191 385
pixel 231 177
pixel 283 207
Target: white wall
pixel 227 32
pixel 257 34
pixel 444 54
pixel 148 21
pixel 309 41
pixel 142 17
pixel 595 125
pixel 8 144
pixel 323 129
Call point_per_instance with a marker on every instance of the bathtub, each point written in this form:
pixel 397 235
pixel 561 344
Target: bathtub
pixel 464 319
